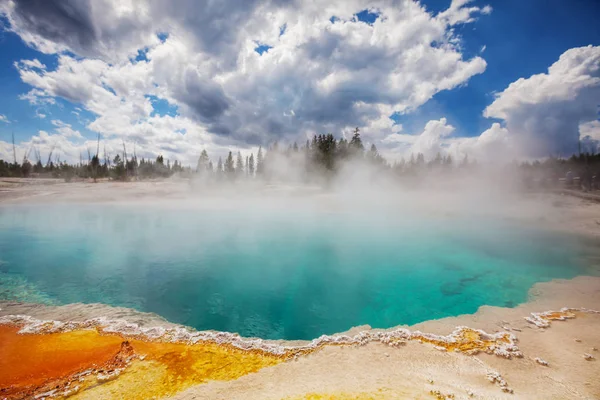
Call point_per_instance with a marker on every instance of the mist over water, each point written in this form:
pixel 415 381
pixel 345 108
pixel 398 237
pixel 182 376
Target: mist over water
pixel 279 266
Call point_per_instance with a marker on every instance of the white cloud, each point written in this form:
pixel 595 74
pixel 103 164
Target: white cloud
pixel 492 146
pixel 430 142
pixel 4 119
pixel 589 134
pixel 590 129
pixel 544 112
pixel 319 75
pixel 66 129
pixel 37 97
pixel 35 63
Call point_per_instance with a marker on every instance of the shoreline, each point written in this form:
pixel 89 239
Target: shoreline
pixel 439 363
pixel 370 357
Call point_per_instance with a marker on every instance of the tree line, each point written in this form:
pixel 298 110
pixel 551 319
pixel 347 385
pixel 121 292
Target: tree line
pixel 322 157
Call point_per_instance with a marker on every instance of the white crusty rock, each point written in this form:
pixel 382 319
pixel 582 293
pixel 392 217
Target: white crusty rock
pixel 495 377
pixel 395 337
pixel 541 361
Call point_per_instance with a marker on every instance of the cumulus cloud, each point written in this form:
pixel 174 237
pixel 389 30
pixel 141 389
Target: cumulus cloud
pixel 590 130
pixel 4 119
pixel 550 113
pixel 90 28
pixel 326 70
pixel 430 142
pixel 493 146
pixel 66 129
pixel 544 112
pixel 589 133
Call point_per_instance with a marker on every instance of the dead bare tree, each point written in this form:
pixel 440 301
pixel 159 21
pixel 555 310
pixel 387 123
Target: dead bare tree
pixel 50 156
pixel 106 158
pixel 26 155
pixel 125 159
pixel 96 160
pixel 135 163
pixel 14 148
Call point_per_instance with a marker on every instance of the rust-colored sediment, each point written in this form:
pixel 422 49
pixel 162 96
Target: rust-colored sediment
pixel 74 363
pixel 92 364
pixel 558 315
pixel 31 363
pixel 469 341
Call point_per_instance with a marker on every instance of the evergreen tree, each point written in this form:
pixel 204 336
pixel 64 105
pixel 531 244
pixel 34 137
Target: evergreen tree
pixel 260 167
pixel 251 165
pixel 374 156
pixel 239 165
pixel 203 162
pixel 342 149
pixel 465 161
pixel 356 142
pixel 229 166
pixel 448 161
pixel 219 167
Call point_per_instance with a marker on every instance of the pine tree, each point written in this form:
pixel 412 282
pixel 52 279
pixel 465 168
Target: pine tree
pixel 260 167
pixel 448 160
pixel 219 171
pixel 239 165
pixel 251 165
pixel 229 166
pixel 202 162
pixel 373 155
pixel 465 161
pixel 356 142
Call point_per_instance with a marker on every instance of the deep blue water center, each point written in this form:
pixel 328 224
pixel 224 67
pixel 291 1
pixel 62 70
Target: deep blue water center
pixel 273 274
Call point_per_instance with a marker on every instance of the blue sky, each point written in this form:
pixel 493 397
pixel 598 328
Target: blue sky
pixel 521 38
pixel 517 39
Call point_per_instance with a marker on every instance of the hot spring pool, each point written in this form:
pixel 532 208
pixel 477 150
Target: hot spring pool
pixel 273 274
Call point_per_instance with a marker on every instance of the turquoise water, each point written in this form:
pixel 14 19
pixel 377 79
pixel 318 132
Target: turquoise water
pixel 273 274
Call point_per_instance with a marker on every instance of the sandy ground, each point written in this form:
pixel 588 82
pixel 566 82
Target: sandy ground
pixel 416 370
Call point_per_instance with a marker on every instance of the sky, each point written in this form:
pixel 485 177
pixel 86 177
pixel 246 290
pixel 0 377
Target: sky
pixel 496 80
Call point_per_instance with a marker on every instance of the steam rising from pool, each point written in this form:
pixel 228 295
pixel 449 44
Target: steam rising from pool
pixel 278 267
